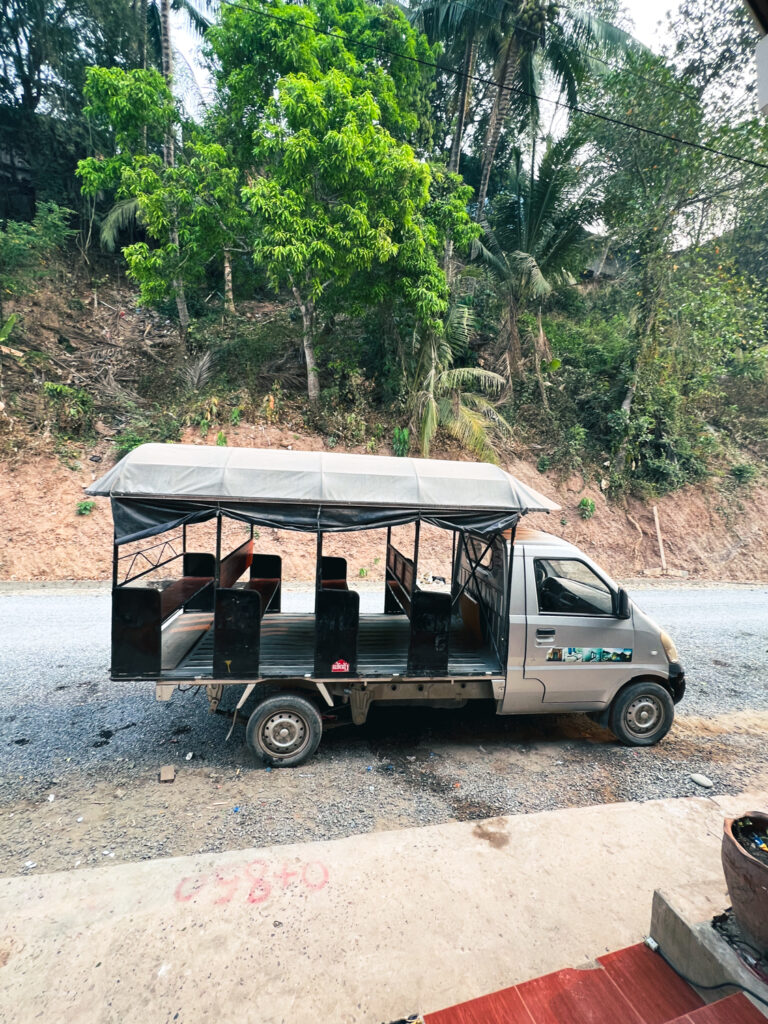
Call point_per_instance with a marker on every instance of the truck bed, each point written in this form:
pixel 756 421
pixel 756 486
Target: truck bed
pixel 287 649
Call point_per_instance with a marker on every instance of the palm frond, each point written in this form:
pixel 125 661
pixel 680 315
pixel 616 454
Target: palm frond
pixel 469 428
pixel 427 421
pixel 198 372
pixel 196 19
pixel 482 254
pixel 121 216
pixel 460 377
pixel 532 279
pixel 460 326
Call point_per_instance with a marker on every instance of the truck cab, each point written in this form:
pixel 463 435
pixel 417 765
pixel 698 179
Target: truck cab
pixel 578 643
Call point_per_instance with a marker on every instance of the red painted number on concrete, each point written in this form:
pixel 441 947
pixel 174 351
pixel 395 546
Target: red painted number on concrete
pixel 255 882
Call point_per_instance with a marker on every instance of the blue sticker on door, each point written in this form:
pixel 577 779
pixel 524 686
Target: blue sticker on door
pixel 589 654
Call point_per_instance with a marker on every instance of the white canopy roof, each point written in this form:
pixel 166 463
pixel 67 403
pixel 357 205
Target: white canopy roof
pixel 206 473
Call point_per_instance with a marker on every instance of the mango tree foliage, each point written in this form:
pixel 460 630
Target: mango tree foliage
pixel 339 197
pixel 197 197
pixel 249 51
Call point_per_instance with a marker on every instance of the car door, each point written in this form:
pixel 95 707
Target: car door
pixel 575 645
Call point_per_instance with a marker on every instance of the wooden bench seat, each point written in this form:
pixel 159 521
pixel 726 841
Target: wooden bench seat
pixel 178 593
pixel 266 588
pixel 333 573
pixel 429 615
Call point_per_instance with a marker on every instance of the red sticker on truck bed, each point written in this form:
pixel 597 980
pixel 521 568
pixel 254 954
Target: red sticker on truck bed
pixel 340 666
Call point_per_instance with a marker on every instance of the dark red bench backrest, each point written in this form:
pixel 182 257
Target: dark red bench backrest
pixel 235 564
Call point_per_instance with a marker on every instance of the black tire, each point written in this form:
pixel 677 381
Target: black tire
pixel 642 714
pixel 284 730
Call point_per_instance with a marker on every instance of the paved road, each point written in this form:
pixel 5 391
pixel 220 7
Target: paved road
pixel 64 724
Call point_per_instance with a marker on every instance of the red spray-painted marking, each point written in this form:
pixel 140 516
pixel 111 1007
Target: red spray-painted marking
pixel 255 882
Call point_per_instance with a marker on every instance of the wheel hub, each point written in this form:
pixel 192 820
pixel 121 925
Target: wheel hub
pixel 284 733
pixel 644 714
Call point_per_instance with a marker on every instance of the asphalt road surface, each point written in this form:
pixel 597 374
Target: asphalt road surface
pixel 95 746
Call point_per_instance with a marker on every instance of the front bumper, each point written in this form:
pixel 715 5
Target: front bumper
pixel 676 681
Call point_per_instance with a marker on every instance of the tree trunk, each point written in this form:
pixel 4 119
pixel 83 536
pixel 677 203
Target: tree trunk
pixel 169 156
pixel 454 160
pixel 308 321
pixel 541 350
pixel 465 96
pixel 496 122
pixel 144 14
pixel 229 297
pixel 167 59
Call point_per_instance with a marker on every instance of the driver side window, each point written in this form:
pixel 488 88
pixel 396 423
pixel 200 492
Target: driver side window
pixel 566 586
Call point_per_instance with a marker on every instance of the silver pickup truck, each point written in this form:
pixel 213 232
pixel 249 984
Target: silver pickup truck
pixel 522 618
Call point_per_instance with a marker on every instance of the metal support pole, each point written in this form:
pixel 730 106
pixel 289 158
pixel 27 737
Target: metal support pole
pixel 453 560
pixel 319 565
pixel 115 549
pixel 217 567
pixel 416 554
pixel 508 595
pixel 184 538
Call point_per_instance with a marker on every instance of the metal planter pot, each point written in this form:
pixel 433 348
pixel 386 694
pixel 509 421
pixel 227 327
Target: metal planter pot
pixel 747 881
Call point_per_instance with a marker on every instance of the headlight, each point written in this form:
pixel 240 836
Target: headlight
pixel 669 646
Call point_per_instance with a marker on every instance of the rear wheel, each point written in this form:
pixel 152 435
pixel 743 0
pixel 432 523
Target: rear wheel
pixel 642 714
pixel 284 730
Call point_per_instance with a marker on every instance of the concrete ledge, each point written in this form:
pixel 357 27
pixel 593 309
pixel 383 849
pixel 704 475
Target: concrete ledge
pixel 681 924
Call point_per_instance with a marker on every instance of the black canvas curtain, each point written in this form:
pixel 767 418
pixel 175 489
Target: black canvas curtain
pixel 137 519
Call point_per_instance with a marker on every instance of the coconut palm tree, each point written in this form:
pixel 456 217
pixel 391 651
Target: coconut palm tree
pixel 456 398
pixel 537 241
pixel 522 41
pixel 543 38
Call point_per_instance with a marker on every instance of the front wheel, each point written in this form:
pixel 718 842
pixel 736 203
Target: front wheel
pixel 642 714
pixel 284 730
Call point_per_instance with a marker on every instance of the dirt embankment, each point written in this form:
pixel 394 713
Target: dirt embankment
pixel 87 332
pixel 706 534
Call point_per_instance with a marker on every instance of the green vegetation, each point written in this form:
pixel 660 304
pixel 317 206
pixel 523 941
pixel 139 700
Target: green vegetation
pixel 72 409
pixel 438 260
pixel 401 441
pixel 586 508
pixel 84 508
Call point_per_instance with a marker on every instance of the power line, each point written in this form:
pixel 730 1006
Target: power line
pixel 590 53
pixel 574 107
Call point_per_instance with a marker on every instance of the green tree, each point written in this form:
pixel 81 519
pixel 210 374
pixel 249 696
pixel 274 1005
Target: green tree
pixel 190 208
pixel 249 51
pixel 45 48
pixel 26 248
pixel 537 241
pixel 337 196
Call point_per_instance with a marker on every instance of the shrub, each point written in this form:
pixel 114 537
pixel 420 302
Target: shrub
pixel 163 428
pixel 72 408
pixel 221 439
pixel 586 508
pixel 401 441
pixel 743 473
pixel 84 508
pixel 543 464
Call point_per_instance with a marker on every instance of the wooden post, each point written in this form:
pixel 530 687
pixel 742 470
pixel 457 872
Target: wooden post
pixel 658 537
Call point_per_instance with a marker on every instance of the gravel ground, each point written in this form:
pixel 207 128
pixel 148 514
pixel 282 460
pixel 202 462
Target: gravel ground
pixel 96 746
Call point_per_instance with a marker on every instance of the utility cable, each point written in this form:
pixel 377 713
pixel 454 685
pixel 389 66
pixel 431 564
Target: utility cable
pixel 589 53
pixel 574 107
pixel 656 948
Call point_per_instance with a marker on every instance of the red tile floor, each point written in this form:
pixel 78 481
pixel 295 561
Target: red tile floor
pixel 631 986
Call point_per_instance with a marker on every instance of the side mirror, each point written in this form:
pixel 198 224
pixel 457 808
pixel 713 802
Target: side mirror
pixel 623 605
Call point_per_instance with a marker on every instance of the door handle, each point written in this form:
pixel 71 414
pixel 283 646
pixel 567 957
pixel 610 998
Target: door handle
pixel 542 634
